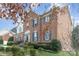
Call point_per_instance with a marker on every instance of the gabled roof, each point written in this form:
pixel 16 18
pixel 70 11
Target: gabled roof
pixel 14 30
pixel 46 12
pixel 33 13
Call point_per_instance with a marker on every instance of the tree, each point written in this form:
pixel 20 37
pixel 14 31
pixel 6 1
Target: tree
pixel 1 41
pixel 11 10
pixel 10 41
pixel 75 39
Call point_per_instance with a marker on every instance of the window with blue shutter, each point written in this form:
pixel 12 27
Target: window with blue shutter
pixel 35 36
pixel 47 35
pixel 34 22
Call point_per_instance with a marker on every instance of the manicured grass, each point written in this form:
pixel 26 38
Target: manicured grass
pixel 47 53
pixel 39 52
pixel 5 53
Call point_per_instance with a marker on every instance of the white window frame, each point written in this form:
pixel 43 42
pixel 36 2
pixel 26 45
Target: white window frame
pixel 47 35
pixel 47 19
pixel 35 34
pixel 35 21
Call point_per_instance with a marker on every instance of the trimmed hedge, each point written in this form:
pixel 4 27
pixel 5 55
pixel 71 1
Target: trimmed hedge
pixel 21 52
pixel 14 50
pixel 10 41
pixel 8 49
pixel 1 48
pixel 1 41
pixel 56 45
pixel 32 52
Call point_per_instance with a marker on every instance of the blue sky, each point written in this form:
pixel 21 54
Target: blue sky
pixel 6 24
pixel 74 12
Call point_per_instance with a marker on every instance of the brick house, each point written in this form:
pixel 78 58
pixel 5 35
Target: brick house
pixel 5 36
pixel 55 23
pixel 18 30
pixel 50 25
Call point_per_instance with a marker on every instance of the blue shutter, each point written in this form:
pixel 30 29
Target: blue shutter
pixel 33 36
pixel 33 22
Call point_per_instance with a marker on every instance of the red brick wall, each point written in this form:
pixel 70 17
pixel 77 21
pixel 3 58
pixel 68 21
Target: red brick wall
pixel 62 18
pixel 5 37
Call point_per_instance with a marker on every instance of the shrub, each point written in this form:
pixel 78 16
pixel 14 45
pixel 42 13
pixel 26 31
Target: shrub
pixel 36 46
pixel 56 45
pixel 1 41
pixel 1 48
pixel 14 50
pixel 8 49
pixel 25 48
pixel 31 47
pixel 32 52
pixel 17 51
pixel 29 44
pixel 45 46
pixel 10 41
pixel 40 48
pixel 21 52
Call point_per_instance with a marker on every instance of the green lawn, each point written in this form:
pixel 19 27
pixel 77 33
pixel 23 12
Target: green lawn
pixel 5 53
pixel 39 52
pixel 47 53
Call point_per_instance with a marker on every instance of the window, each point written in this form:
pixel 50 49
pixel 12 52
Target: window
pixel 47 35
pixel 43 19
pixel 26 37
pixel 46 19
pixel 20 29
pixel 35 36
pixel 50 16
pixel 34 22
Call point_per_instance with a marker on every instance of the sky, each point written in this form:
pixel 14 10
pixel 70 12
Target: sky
pixel 73 8
pixel 6 24
pixel 74 11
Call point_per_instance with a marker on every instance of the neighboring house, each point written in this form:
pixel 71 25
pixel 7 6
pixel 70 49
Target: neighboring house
pixel 5 34
pixel 54 24
pixel 18 30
